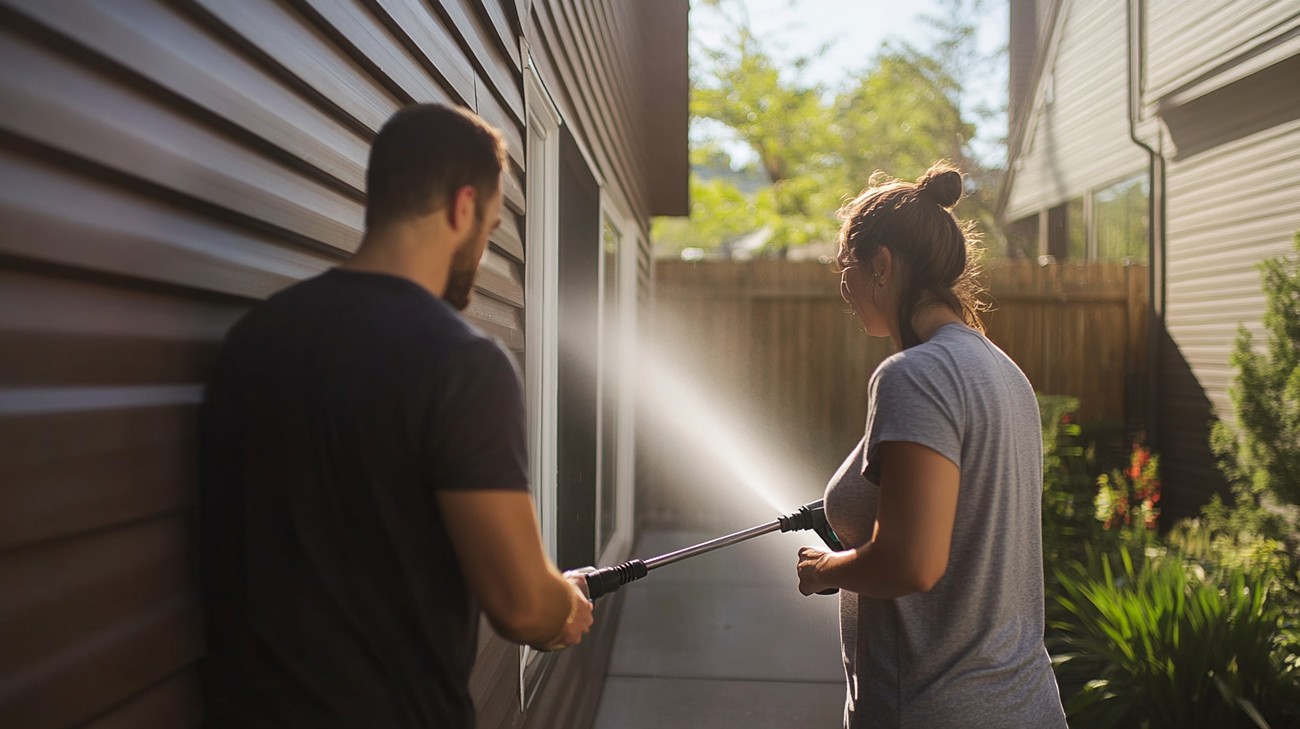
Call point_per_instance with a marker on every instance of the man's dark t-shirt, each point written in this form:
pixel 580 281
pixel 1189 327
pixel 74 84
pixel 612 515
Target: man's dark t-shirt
pixel 333 596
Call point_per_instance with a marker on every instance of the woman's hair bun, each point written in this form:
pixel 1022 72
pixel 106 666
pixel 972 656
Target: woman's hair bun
pixel 942 184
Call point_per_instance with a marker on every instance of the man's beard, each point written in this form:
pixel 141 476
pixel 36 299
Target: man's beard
pixel 464 266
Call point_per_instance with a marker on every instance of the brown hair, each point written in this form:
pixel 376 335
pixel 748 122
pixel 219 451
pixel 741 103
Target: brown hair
pixel 425 153
pixel 915 222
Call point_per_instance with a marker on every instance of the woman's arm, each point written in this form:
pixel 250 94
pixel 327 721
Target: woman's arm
pixel 909 553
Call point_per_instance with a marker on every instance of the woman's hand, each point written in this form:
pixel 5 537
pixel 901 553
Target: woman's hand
pixel 811 561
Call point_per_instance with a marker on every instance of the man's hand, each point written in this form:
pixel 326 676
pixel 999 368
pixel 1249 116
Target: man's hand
pixel 580 613
pixel 500 551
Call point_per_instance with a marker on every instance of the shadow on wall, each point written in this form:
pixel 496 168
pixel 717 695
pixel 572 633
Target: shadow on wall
pixel 1260 101
pixel 1184 414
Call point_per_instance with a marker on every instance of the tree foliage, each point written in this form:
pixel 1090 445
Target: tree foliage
pixel 812 146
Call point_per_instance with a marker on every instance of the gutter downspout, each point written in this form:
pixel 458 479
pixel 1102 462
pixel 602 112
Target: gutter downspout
pixel 1155 213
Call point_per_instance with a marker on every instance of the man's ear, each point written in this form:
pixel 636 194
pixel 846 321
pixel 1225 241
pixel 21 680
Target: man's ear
pixel 462 212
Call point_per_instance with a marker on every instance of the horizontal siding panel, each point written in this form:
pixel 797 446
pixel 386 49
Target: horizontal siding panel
pixel 72 220
pixel 501 278
pixel 54 596
pixel 1189 38
pixel 512 190
pixel 502 320
pixel 74 471
pixel 295 45
pixel 508 238
pixel 172 52
pixel 1218 305
pixel 74 686
pixel 31 303
pixel 75 110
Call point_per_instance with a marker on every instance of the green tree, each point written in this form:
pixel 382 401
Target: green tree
pixel 815 146
pixel 1260 452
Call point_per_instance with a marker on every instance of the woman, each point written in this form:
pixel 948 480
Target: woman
pixel 941 612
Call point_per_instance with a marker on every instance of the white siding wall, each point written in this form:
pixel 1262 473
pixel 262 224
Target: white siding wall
pixel 1228 209
pixel 1080 140
pixel 1188 39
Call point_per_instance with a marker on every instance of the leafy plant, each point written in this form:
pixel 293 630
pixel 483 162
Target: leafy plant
pixel 1067 517
pixel 1260 452
pixel 1157 645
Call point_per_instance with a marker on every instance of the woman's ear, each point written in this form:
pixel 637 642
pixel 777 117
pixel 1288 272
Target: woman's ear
pixel 882 266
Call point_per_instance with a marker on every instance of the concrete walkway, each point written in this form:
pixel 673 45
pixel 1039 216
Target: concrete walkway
pixel 724 640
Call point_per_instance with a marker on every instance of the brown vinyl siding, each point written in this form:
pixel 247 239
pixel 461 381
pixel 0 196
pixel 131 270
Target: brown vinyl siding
pixel 165 167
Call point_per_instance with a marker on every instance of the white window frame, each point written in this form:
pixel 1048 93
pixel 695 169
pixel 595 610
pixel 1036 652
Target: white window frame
pixel 541 293
pixel 625 388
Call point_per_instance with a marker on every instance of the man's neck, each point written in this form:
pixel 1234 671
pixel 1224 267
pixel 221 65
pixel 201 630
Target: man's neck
pixel 406 251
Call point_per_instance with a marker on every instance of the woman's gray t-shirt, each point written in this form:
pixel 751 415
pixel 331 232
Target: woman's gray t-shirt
pixel 968 653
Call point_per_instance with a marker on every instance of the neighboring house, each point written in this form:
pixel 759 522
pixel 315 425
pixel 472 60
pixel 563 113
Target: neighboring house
pixel 1165 131
pixel 166 165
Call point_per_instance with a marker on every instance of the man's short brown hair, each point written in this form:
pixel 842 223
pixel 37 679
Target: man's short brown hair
pixel 423 155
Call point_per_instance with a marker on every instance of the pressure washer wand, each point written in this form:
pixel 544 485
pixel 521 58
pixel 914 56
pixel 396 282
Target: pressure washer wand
pixel 608 579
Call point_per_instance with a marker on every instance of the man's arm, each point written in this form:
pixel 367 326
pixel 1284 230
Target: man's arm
pixel 500 551
pixel 909 553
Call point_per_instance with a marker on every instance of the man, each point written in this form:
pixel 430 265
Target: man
pixel 364 482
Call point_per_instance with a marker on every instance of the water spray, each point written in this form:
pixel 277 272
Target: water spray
pixel 812 516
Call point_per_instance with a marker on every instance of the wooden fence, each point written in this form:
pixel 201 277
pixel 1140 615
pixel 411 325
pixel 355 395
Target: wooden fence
pixel 773 341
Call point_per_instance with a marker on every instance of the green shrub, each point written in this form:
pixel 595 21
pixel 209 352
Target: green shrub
pixel 1067 486
pixel 1158 645
pixel 1260 452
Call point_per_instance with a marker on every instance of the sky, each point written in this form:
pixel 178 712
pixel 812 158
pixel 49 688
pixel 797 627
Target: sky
pixel 855 29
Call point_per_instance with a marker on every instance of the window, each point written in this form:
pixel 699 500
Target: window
pixel 1105 224
pixel 1058 233
pixel 610 243
pixel 578 377
pixel 1076 230
pixel 1120 220
pixel 1022 238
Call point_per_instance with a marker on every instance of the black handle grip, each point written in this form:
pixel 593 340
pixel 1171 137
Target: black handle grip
pixel 608 579
pixel 813 516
